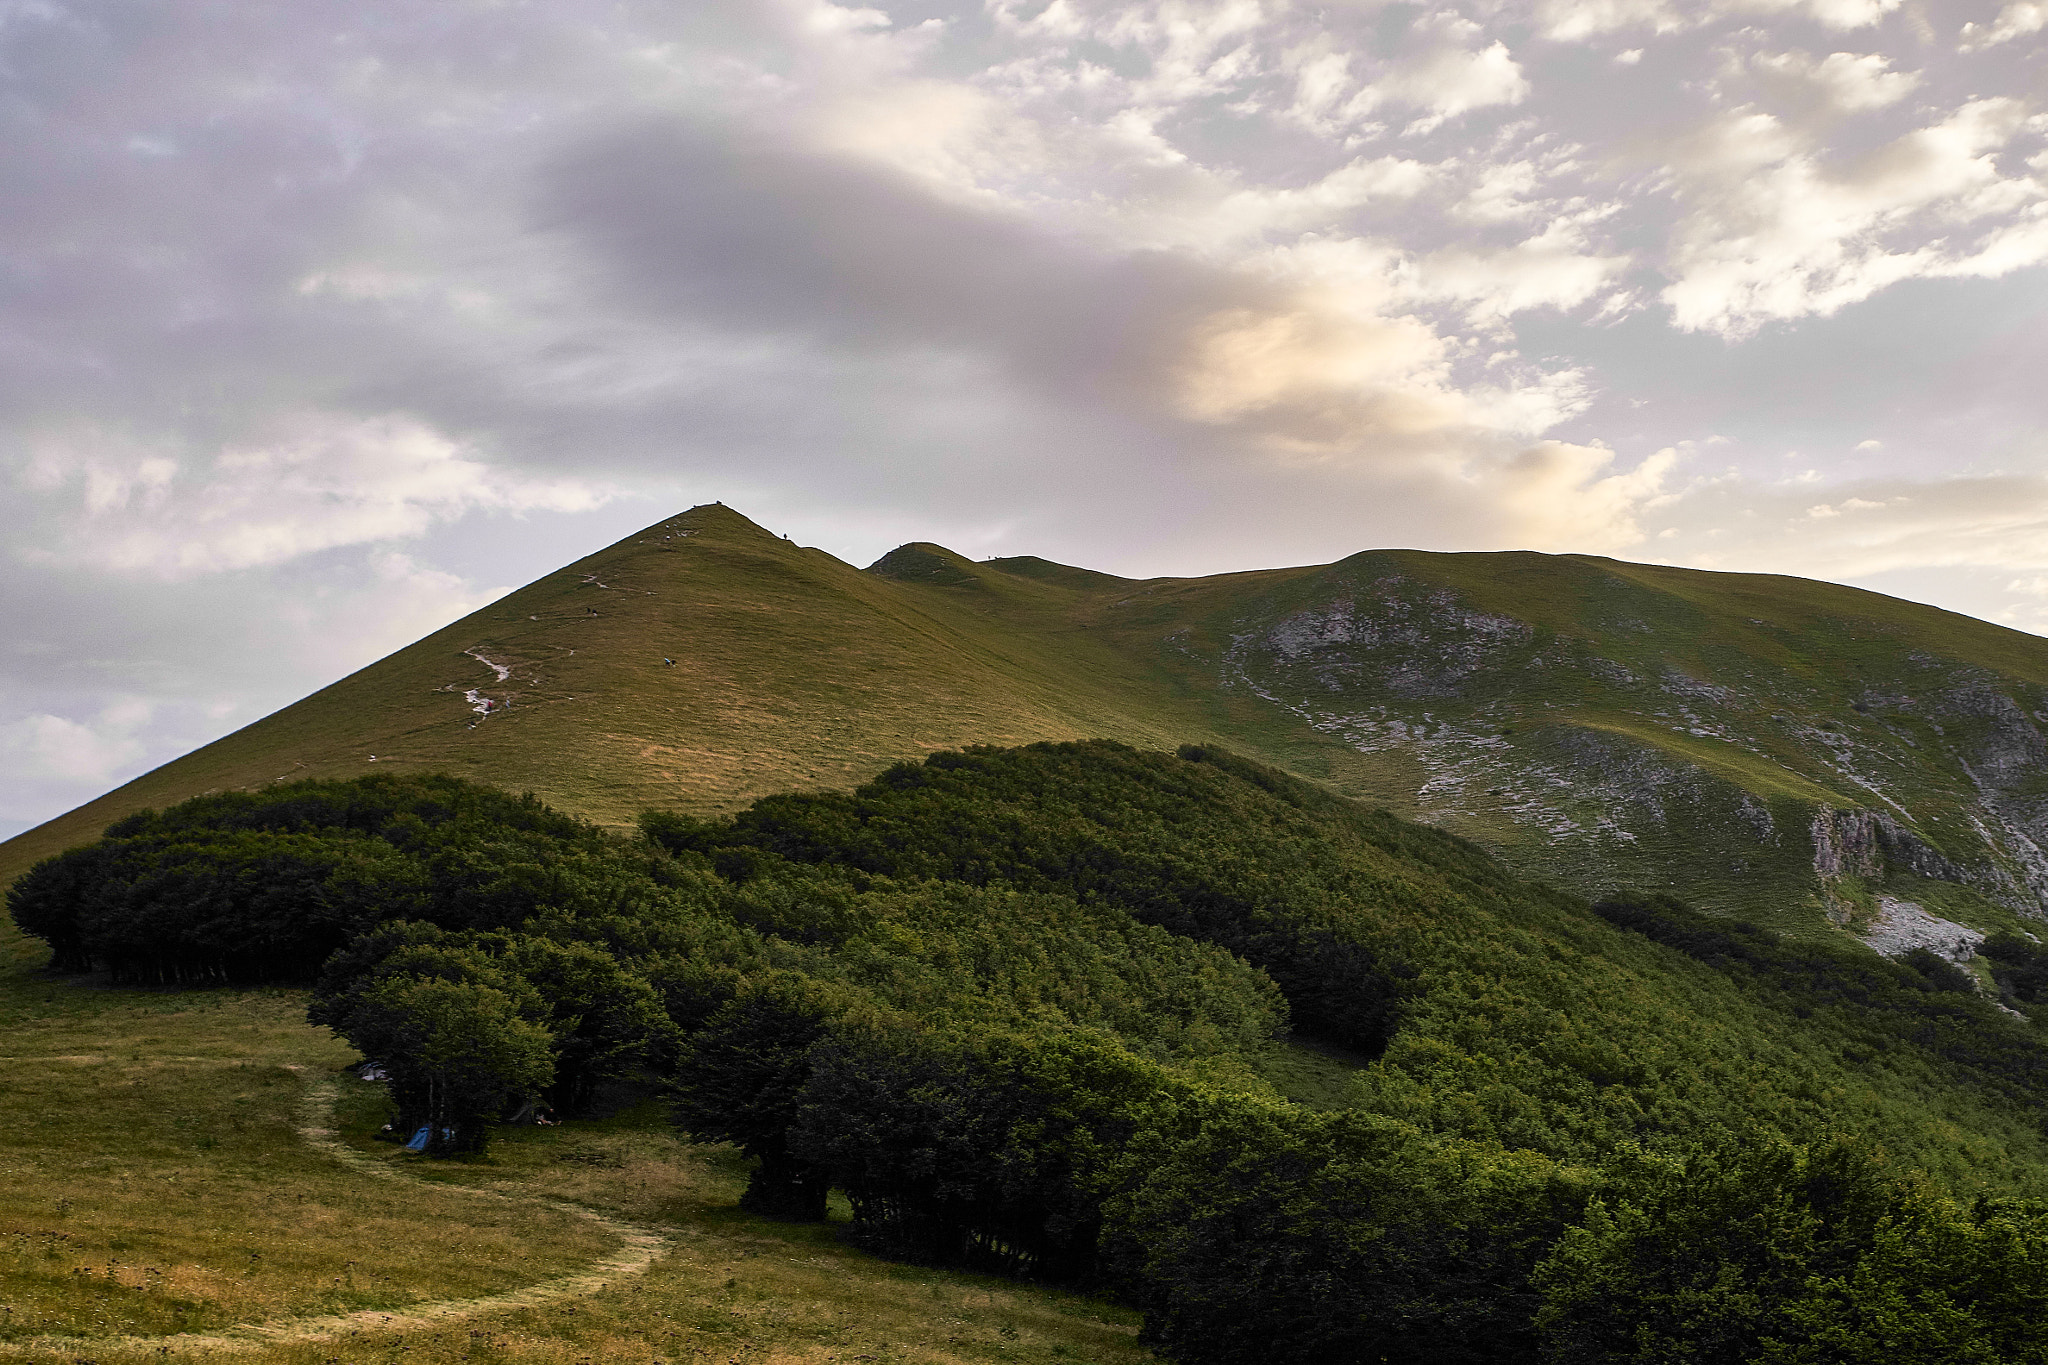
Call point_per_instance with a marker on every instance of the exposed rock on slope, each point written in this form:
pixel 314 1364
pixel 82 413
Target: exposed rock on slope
pixel 1763 743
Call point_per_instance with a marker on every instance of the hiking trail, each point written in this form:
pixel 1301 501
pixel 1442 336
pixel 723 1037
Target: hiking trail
pixel 639 1247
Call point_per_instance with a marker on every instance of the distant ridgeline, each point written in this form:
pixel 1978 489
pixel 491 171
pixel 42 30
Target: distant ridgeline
pixel 1302 1080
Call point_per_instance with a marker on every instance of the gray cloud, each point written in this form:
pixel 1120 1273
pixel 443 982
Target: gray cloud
pixel 729 228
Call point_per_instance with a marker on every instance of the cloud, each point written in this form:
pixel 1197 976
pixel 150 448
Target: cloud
pixel 2017 20
pixel 1772 232
pixel 44 746
pixel 1560 497
pixel 1837 14
pixel 1254 213
pixel 711 225
pixel 1553 269
pixel 397 601
pixel 324 482
pixel 1310 378
pixel 1841 82
pixel 1444 67
pixel 1451 79
pixel 1295 357
pixel 1502 192
pixel 1861 528
pixel 1574 20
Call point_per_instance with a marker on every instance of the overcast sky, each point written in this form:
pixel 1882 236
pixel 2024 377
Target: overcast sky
pixel 324 322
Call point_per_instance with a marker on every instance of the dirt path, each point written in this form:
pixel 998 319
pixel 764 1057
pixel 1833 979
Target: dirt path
pixel 639 1247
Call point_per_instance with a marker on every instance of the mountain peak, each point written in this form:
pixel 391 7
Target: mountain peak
pixel 1064 575
pixel 923 562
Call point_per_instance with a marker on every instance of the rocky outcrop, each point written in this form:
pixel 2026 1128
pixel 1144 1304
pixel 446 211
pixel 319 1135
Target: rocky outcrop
pixel 1588 726
pixel 1902 926
pixel 1864 843
pixel 1413 645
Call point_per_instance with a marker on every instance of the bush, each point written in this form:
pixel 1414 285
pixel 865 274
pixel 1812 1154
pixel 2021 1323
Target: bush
pixel 993 1152
pixel 2019 966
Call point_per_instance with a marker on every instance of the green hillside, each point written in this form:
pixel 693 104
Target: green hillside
pixel 1805 754
pixel 1291 1077
pixel 790 669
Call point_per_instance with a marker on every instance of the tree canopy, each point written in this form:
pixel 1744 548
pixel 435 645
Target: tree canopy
pixel 1048 1011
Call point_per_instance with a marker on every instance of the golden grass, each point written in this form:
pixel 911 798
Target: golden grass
pixel 161 1196
pixel 157 1202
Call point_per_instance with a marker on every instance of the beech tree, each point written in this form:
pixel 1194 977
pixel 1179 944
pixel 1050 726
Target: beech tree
pixel 742 1077
pixel 458 1054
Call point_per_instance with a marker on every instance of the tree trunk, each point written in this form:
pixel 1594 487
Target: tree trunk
pixel 787 1188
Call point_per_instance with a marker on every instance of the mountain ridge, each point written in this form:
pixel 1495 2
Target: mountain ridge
pixel 746 610
pixel 1804 753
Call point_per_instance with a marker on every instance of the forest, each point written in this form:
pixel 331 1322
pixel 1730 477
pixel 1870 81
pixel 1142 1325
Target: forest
pixel 1298 1079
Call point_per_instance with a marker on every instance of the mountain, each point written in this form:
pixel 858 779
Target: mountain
pixel 789 669
pixel 1804 753
pixel 1797 750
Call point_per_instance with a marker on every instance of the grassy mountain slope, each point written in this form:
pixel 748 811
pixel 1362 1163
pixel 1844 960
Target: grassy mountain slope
pixel 790 669
pixel 1801 752
pixel 1771 744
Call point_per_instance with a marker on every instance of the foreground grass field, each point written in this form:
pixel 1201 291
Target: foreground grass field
pixel 158 1200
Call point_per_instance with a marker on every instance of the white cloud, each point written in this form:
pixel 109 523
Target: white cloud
pixel 1573 20
pixel 953 137
pixel 1560 497
pixel 1453 80
pixel 1446 69
pixel 1314 379
pixel 1838 14
pixel 1773 232
pixel 1866 527
pixel 331 481
pixel 2017 20
pixel 1197 49
pixel 1576 20
pixel 1847 82
pixel 1553 269
pixel 44 746
pixel 1502 192
pixel 1252 213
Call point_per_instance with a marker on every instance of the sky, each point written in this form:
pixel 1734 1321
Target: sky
pixel 324 323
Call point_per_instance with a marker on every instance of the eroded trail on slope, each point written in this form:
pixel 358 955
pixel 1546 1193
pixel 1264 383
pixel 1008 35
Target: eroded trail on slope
pixel 639 1247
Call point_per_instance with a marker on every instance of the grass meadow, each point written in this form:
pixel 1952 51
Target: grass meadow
pixel 158 1202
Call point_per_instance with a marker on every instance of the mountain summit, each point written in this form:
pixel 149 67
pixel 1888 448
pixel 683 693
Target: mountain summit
pixel 1802 752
